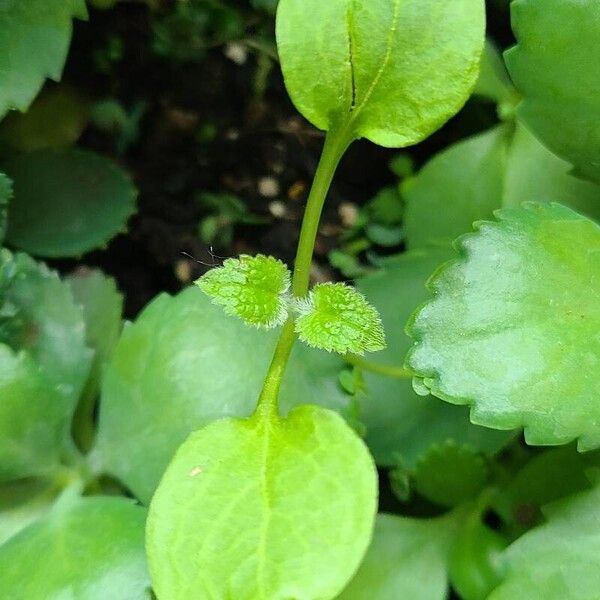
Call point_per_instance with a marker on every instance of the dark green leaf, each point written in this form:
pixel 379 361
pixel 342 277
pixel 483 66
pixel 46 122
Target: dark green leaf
pixel 80 201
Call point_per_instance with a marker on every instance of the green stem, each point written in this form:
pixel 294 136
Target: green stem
pixel 336 144
pixel 388 371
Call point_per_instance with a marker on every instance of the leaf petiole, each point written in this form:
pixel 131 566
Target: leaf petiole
pixel 385 370
pixel 336 144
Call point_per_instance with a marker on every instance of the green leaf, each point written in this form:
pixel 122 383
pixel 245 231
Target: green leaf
pixel 42 319
pixel 89 549
pixel 34 418
pixel 476 561
pixel 183 364
pixel 499 168
pixel 81 200
pixel 34 40
pixel 407 559
pixel 398 421
pixel 450 474
pixel 253 288
pixel 560 559
pixel 511 329
pixel 263 509
pixel 554 66
pixel 55 120
pixel 494 82
pixel 5 197
pixel 460 185
pixel 392 72
pixel 22 502
pixel 547 477
pixel 102 306
pixel 337 318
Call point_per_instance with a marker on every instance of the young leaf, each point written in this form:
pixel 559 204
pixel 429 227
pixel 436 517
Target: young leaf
pixel 450 474
pixel 183 364
pixel 5 196
pixel 407 559
pixel 555 67
pixel 392 72
pixel 80 200
pixel 337 318
pixel 254 509
pixel 34 418
pixel 40 317
pixel 398 421
pixel 34 39
pixel 252 288
pixel 560 559
pixel 90 549
pixel 511 329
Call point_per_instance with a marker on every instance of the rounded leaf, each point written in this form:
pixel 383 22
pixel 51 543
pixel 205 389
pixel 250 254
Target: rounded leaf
pixel 392 71
pixel 183 364
pixel 88 549
pixel 34 39
pixel 80 201
pixel 398 421
pixel 555 67
pixel 512 329
pixel 263 508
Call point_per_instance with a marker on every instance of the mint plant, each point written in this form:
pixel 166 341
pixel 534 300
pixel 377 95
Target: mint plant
pixel 268 433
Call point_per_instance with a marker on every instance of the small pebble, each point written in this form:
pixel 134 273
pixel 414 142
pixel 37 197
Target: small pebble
pixel 268 187
pixel 236 53
pixel 278 209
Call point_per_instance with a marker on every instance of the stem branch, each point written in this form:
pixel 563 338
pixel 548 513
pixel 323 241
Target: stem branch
pixel 336 144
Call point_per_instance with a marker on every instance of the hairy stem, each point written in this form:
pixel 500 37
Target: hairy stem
pixel 336 144
pixel 385 370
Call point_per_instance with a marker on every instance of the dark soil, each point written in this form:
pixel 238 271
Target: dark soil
pixel 253 138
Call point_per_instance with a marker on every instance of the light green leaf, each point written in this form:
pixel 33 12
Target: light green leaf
pixel 460 185
pixel 337 318
pixel 499 168
pixel 407 559
pixel 450 474
pixel 560 559
pixel 5 197
pixel 263 509
pixel 34 418
pixel 512 328
pixel 392 71
pixel 40 317
pixel 183 364
pixel 398 421
pixel 85 549
pixel 252 288
pixel 80 199
pixel 555 67
pixel 56 120
pixel 34 39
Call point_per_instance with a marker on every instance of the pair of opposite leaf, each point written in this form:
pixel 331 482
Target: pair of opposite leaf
pixel 334 316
